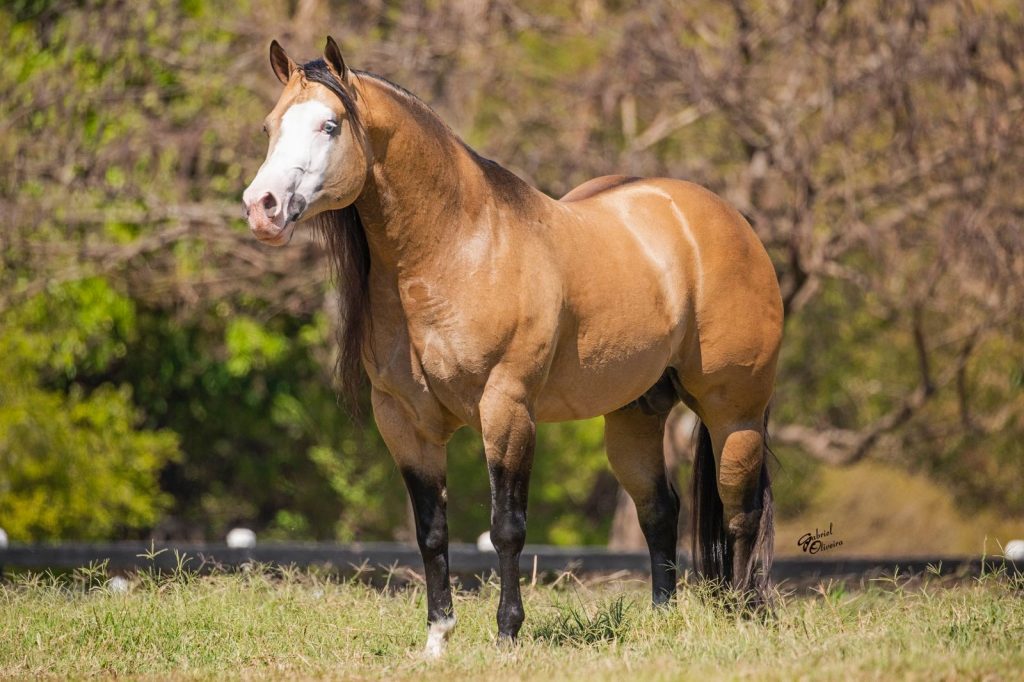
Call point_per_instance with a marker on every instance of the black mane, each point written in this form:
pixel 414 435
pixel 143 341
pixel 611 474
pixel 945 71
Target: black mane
pixel 344 238
pixel 318 72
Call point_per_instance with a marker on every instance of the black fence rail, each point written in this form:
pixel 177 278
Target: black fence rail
pixel 465 559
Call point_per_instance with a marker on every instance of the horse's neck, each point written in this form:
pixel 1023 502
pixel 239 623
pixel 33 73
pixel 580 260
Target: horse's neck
pixel 426 191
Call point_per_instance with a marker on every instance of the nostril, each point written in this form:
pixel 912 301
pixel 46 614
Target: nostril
pixel 296 206
pixel 269 202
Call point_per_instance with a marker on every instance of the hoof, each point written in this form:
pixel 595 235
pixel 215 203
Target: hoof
pixel 437 638
pixel 506 640
pixel 663 599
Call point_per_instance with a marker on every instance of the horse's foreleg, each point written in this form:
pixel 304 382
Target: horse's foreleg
pixel 634 441
pixel 509 436
pixel 429 503
pixel 423 466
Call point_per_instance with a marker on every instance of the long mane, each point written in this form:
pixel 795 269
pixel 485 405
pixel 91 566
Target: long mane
pixel 344 238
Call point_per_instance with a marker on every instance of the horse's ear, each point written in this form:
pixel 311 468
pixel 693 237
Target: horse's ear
pixel 280 62
pixel 332 55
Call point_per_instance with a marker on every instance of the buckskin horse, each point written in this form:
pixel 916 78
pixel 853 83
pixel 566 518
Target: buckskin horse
pixel 471 298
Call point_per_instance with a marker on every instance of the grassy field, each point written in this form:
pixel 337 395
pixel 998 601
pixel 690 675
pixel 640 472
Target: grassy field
pixel 295 624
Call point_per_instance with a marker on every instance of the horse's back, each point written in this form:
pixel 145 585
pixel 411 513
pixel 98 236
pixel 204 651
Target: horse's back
pixel 727 258
pixel 597 185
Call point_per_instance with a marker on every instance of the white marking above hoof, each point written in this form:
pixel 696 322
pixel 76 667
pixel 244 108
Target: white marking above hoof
pixel 437 637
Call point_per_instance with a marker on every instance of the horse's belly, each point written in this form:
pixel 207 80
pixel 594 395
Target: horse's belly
pixel 589 381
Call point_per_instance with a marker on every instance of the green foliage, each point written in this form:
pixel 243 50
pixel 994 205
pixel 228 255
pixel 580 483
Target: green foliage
pixel 242 397
pixel 570 458
pixel 129 108
pixel 265 440
pixel 832 334
pixel 568 461
pixel 982 467
pixel 73 462
pixel 250 347
pixel 136 395
pixel 76 466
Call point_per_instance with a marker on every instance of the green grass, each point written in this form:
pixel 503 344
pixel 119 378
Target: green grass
pixel 297 624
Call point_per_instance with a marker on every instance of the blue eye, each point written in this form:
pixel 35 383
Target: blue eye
pixel 329 127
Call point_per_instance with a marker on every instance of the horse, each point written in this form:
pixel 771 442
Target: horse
pixel 469 298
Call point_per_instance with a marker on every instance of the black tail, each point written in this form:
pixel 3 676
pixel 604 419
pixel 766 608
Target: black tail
pixel 712 551
pixel 712 555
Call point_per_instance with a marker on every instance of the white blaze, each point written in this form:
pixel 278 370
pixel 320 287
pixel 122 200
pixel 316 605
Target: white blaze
pixel 297 162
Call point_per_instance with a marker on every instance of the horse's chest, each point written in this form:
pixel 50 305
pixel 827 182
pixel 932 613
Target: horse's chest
pixel 436 349
pixel 451 338
pixel 453 361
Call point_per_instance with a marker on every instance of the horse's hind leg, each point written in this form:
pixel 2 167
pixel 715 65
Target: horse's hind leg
pixel 423 466
pixel 745 525
pixel 634 440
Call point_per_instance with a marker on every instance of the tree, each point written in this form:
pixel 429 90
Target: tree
pixel 875 150
pixel 73 463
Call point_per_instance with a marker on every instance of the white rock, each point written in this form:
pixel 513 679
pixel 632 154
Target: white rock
pixel 3 539
pixel 484 544
pixel 1014 550
pixel 241 538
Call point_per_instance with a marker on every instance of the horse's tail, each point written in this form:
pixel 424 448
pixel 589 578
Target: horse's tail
pixel 759 568
pixel 712 551
pixel 709 544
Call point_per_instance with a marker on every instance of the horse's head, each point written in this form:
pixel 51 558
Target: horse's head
pixel 317 160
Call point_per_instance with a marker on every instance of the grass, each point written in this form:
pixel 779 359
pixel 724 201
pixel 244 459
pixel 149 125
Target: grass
pixel 284 623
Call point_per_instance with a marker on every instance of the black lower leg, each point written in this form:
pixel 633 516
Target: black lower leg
pixel 742 532
pixel 509 490
pixel 659 520
pixel 429 504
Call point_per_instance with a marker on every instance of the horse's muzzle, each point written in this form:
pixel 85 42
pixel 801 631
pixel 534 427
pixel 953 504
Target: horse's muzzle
pixel 267 221
pixel 296 207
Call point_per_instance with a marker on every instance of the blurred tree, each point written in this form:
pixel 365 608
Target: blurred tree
pixel 875 149
pixel 73 463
